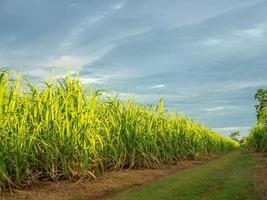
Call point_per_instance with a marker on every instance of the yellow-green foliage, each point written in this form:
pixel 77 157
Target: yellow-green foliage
pixel 60 131
pixel 257 139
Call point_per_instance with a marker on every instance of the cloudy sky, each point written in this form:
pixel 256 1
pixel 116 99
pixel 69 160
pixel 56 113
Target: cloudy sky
pixel 206 58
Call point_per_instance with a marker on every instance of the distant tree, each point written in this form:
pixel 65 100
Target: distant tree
pixel 235 135
pixel 243 140
pixel 261 107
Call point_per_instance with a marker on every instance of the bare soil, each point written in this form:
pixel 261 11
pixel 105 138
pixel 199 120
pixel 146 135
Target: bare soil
pixel 261 173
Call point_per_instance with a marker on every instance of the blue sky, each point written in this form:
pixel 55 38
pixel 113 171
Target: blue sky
pixel 206 58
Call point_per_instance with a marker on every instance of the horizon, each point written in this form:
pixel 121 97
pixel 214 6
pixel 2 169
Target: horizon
pixel 205 59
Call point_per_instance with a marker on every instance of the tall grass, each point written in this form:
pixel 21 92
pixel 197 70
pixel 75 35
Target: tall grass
pixel 59 131
pixel 257 139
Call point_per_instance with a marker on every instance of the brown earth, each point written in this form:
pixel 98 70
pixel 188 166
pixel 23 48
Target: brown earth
pixel 261 173
pixel 104 186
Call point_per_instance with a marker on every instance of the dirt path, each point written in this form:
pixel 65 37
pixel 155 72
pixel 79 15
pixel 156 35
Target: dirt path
pixel 107 185
pixel 261 173
pixel 237 174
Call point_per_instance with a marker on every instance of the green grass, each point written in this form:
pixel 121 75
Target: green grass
pixel 230 177
pixel 59 131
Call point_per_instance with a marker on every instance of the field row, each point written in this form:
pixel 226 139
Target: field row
pixel 60 130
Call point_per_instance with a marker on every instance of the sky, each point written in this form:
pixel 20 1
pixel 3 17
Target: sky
pixel 206 58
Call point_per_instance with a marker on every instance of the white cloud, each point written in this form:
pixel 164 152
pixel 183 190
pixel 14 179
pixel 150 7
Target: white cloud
pixel 219 108
pixel 211 42
pixel 68 61
pixel 253 32
pixel 99 78
pixel 87 23
pixel 90 21
pixel 77 61
pixel 157 86
pixel 119 5
pixel 91 79
pixel 62 63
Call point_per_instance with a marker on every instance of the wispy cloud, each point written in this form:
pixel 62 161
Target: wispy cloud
pixel 253 32
pixel 86 24
pixel 77 61
pixel 157 86
pixel 119 5
pixel 93 79
pixel 90 21
pixel 67 61
pixel 232 128
pixel 218 108
pixel 211 42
